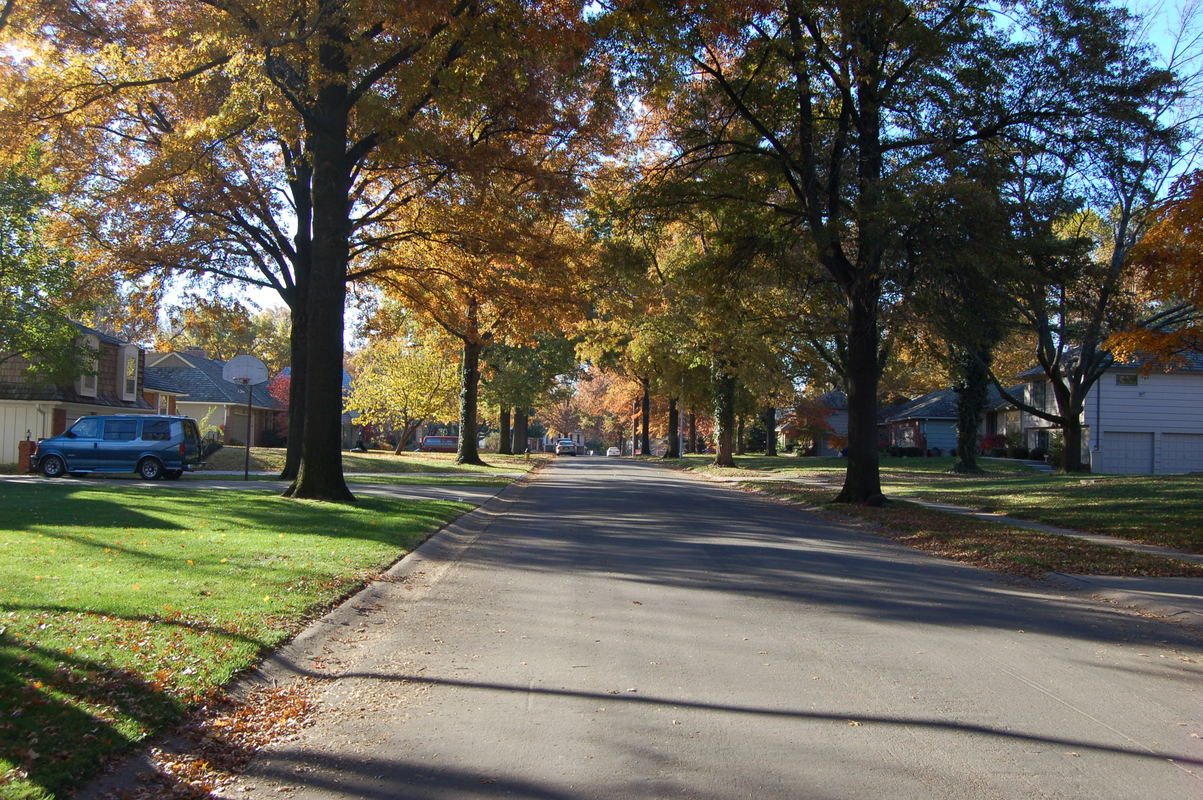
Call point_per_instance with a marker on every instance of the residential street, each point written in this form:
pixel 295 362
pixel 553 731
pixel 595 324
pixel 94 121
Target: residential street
pixel 625 631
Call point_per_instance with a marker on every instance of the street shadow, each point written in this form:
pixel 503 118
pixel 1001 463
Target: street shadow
pixel 646 525
pixel 360 776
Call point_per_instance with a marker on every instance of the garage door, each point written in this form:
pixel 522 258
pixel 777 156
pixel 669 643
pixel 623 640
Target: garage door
pixel 1129 453
pixel 1182 452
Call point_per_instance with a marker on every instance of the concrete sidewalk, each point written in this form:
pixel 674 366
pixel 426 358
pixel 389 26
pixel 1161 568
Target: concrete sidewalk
pixel 1178 599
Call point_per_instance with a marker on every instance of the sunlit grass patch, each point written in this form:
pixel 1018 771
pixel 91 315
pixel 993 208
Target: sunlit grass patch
pixel 121 607
pixel 271 459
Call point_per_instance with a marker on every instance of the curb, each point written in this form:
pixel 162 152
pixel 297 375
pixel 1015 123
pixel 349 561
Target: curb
pixel 419 569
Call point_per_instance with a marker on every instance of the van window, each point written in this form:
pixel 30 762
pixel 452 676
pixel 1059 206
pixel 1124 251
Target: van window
pixel 120 430
pixel 191 435
pixel 86 428
pixel 156 430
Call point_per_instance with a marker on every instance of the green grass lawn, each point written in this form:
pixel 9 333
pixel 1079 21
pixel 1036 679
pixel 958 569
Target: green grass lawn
pixel 1158 509
pixel 272 459
pixel 833 466
pixel 122 607
pixel 985 543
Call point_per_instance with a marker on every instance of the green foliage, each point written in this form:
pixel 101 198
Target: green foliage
pixel 518 376
pixel 35 284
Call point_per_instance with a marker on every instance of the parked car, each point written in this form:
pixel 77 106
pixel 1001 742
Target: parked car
pixel 613 451
pixel 150 445
pixel 566 447
pixel 439 444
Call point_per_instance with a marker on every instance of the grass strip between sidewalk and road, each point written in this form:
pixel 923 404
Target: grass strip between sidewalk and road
pixel 992 545
pixel 122 607
pixel 1163 510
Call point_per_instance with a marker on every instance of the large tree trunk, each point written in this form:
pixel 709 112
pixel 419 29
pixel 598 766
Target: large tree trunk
pixel 862 481
pixel 674 430
pixel 321 473
pixel 769 420
pixel 724 418
pixel 645 411
pixel 521 418
pixel 971 399
pixel 503 439
pixel 297 299
pixel 468 452
pixel 298 354
pixel 1071 437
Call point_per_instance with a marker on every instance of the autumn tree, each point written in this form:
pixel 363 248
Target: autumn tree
pixel 349 105
pixel 399 383
pixel 849 111
pixel 1168 264
pixel 515 377
pixel 1080 201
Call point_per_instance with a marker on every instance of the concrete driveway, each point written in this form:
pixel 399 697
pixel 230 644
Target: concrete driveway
pixel 623 631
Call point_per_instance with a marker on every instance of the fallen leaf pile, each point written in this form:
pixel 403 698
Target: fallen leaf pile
pixel 221 741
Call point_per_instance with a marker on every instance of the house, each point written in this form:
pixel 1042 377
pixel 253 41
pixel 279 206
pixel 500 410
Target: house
pixel 833 443
pixel 1135 421
pixel 192 384
pixel 113 385
pixel 928 422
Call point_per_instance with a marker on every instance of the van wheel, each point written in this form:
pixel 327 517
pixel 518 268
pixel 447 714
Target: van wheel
pixel 150 469
pixel 172 474
pixel 52 466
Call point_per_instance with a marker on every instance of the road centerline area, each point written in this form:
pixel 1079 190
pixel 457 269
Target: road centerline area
pixel 623 630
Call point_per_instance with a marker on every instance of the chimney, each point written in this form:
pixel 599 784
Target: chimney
pixel 195 351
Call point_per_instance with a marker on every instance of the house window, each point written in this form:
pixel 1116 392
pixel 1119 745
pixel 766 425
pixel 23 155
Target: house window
pixel 129 372
pixel 87 383
pixel 164 404
pixel 1125 380
pixel 1039 394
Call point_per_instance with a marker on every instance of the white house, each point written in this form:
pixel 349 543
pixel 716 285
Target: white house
pixel 1134 422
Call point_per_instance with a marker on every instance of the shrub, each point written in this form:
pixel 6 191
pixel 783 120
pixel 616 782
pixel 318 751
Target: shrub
pixel 1017 452
pixel 992 442
pixel 1037 454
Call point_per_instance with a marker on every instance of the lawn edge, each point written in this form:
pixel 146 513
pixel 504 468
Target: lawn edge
pixel 439 550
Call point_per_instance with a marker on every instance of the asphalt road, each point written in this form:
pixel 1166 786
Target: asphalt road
pixel 624 631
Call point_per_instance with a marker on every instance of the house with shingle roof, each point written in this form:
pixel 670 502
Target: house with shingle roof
pixel 192 384
pixel 1140 417
pixel 30 409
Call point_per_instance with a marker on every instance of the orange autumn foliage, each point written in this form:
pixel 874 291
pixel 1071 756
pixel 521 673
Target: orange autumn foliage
pixel 1169 263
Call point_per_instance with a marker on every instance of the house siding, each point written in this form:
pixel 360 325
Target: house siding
pixel 839 426
pixel 15 419
pixel 1166 408
pixel 941 434
pixel 32 408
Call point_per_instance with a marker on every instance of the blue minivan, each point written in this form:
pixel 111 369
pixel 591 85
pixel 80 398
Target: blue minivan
pixel 152 446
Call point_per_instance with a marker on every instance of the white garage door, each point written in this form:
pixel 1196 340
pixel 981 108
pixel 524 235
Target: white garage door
pixel 1182 452
pixel 1129 453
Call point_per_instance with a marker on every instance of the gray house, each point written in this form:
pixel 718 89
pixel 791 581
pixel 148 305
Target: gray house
pixel 217 404
pixel 1135 421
